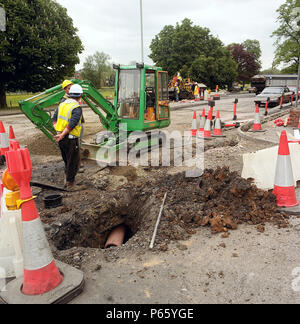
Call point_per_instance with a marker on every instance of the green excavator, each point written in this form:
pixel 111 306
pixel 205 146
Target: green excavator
pixel 141 104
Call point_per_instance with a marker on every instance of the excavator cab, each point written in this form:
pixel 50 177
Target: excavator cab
pixel 142 97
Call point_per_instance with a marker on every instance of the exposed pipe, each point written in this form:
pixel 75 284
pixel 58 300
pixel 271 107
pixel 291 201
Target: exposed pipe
pixel 116 237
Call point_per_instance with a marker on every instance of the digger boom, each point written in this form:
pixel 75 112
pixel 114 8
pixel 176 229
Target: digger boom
pixel 35 108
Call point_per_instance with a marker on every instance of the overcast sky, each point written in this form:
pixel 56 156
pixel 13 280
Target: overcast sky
pixel 113 26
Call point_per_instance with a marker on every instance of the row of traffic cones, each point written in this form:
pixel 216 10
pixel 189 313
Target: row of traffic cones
pixel 205 129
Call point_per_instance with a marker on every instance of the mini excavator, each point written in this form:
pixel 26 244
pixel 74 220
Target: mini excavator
pixel 141 104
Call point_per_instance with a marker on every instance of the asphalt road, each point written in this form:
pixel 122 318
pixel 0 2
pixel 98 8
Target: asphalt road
pixel 181 116
pixel 245 107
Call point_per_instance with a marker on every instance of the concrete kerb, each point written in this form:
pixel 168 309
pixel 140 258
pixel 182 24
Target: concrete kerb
pixel 179 107
pixel 190 105
pixel 243 130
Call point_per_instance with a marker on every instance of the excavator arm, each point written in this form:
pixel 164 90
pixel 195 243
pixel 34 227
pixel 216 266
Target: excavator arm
pixel 35 108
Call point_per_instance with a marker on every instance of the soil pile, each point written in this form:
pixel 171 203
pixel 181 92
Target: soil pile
pixel 41 145
pixel 220 199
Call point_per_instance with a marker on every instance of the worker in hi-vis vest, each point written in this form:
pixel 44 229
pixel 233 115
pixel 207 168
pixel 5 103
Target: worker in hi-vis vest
pixel 196 91
pixel 66 85
pixel 68 127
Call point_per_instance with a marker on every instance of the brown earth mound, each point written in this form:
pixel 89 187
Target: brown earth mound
pixel 220 199
pixel 41 145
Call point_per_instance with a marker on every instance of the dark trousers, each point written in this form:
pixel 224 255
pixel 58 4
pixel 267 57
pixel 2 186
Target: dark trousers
pixel 71 155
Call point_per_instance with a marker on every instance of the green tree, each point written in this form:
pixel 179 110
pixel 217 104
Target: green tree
pixel 246 61
pixel 253 46
pixel 98 69
pixel 184 47
pixel 39 47
pixel 288 36
pixel 214 71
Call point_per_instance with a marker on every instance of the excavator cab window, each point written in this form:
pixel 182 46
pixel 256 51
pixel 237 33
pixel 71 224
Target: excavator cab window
pixel 163 96
pixel 150 109
pixel 129 94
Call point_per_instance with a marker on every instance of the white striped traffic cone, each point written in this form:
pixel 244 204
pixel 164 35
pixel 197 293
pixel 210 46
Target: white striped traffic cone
pixel 202 121
pixel 194 129
pixel 218 126
pixel 207 128
pixel 284 188
pixel 41 274
pixel 4 141
pixel 257 122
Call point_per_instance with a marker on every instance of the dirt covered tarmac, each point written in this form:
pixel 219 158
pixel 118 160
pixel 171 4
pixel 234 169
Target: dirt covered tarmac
pixel 220 200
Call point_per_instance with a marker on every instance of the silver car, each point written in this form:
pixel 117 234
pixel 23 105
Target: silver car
pixel 273 95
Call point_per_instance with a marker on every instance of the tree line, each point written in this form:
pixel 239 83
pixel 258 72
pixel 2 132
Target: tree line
pixel 40 47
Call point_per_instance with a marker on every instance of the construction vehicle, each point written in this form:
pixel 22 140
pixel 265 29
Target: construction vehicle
pixel 141 104
pixel 185 88
pixel 259 83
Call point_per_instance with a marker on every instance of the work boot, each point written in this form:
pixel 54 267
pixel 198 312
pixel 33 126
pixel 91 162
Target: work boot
pixel 69 186
pixel 72 187
pixel 81 169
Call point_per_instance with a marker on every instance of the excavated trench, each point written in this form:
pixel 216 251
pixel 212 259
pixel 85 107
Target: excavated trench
pixel 92 227
pixel 220 199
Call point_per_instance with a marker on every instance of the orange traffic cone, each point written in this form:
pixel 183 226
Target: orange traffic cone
pixel 4 142
pixel 45 280
pixel 11 133
pixel 194 129
pixel 40 272
pixel 207 128
pixel 257 123
pixel 284 188
pixel 202 121
pixel 218 127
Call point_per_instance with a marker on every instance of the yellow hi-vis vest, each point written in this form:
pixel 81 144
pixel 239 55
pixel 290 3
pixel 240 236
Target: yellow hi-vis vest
pixel 196 91
pixel 64 115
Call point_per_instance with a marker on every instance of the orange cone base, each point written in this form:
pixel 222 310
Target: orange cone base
pixel 71 287
pixel 257 128
pixel 286 196
pixel 39 282
pixel 194 132
pixel 217 132
pixel 207 134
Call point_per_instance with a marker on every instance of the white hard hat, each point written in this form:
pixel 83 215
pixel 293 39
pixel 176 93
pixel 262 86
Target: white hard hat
pixel 76 91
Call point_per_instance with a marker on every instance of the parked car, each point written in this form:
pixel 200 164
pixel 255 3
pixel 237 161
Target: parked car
pixel 294 90
pixel 274 94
